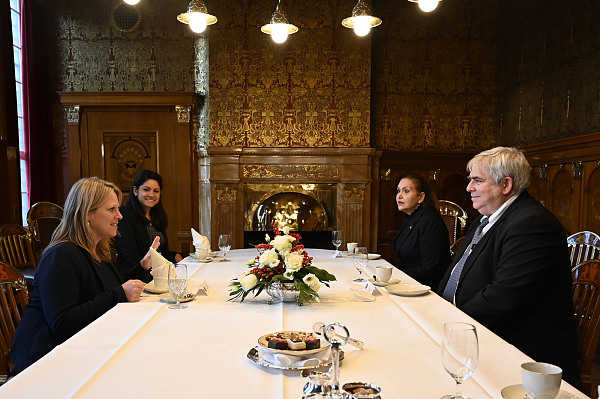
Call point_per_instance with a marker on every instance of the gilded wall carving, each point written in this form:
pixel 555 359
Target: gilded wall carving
pixel 290 171
pixel 434 76
pixel 95 56
pixel 354 192
pixel 312 91
pixel 226 194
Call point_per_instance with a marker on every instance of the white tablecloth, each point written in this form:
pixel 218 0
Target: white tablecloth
pixel 145 350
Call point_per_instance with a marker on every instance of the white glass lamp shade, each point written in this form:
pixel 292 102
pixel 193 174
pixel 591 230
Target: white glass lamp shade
pixel 361 20
pixel 279 28
pixel 197 16
pixel 426 5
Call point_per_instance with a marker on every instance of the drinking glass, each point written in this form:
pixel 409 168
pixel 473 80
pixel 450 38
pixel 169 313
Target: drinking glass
pixel 360 259
pixel 460 353
pixel 225 245
pixel 177 281
pixel 336 240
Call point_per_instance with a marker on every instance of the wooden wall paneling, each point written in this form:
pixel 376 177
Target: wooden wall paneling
pixel 591 197
pixel 564 198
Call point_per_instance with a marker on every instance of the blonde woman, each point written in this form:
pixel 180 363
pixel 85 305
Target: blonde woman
pixel 76 281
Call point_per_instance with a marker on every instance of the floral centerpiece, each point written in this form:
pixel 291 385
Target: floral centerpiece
pixel 282 262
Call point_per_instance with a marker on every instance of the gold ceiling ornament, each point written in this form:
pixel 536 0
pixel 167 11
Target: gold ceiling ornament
pixel 197 16
pixel 279 28
pixel 426 5
pixel 361 20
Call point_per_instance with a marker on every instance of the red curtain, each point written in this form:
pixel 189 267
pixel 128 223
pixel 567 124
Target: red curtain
pixel 37 100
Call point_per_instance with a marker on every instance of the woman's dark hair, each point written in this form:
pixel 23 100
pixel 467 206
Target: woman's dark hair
pixel 158 216
pixel 421 186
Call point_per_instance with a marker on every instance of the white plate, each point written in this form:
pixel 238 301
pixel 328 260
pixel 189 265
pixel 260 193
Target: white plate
pixel 150 288
pixel 407 289
pixel 262 341
pixel 382 284
pixel 374 256
pixel 167 297
pixel 517 392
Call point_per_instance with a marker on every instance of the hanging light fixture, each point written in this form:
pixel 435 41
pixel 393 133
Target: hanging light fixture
pixel 361 20
pixel 131 2
pixel 426 5
pixel 279 28
pixel 197 16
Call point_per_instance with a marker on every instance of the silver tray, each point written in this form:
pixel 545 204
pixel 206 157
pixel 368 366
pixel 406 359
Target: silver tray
pixel 254 357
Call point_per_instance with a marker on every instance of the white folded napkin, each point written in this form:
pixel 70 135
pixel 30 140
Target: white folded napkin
pixel 160 270
pixel 199 240
pixel 280 359
pixel 361 295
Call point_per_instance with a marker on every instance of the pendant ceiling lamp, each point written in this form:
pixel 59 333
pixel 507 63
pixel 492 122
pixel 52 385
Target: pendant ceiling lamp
pixel 426 5
pixel 197 16
pixel 131 2
pixel 361 20
pixel 279 28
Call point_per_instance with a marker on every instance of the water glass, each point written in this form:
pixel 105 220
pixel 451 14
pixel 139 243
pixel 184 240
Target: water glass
pixel 177 282
pixel 225 245
pixel 336 240
pixel 460 353
pixel 360 261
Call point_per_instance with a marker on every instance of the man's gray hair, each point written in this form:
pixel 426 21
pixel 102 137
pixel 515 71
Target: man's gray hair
pixel 504 162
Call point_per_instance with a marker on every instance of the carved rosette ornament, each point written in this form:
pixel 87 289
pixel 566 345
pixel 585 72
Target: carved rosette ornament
pixel 72 114
pixel 354 192
pixel 290 171
pixel 184 113
pixel 226 194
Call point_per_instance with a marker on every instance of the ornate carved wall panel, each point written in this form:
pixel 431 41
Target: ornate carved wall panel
pixel 95 56
pixel 592 198
pixel 434 76
pixel 312 91
pixel 549 71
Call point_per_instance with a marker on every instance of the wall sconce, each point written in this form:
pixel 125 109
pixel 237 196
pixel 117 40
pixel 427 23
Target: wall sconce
pixel 131 2
pixel 279 28
pixel 197 16
pixel 426 5
pixel 361 20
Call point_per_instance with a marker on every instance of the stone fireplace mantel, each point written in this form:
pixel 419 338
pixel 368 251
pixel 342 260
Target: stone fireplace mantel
pixel 351 171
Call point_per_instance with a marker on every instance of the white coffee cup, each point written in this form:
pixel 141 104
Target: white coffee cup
pixel 351 246
pixel 541 380
pixel 201 253
pixel 383 273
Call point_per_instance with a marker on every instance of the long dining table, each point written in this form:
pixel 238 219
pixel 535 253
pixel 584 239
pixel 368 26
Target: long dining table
pixel 146 350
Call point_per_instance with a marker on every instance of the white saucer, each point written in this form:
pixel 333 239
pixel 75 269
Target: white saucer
pixel 407 289
pixel 382 284
pixel 167 297
pixel 150 288
pixel 374 256
pixel 517 392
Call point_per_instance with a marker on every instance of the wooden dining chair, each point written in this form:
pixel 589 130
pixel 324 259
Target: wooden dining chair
pixel 16 249
pixel 43 218
pixel 456 246
pixel 455 218
pixel 13 299
pixel 586 305
pixel 583 245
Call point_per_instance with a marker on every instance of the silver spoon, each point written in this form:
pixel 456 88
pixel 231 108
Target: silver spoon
pixel 318 329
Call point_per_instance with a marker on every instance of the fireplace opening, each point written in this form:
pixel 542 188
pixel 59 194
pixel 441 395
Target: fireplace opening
pixel 307 209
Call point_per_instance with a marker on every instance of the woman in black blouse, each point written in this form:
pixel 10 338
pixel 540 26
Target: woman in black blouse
pixel 144 218
pixel 422 246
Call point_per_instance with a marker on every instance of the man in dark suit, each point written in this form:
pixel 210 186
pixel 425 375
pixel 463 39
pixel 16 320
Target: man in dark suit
pixel 513 274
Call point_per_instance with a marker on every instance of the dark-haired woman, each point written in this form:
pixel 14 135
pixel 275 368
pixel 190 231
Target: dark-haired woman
pixel 144 218
pixel 422 246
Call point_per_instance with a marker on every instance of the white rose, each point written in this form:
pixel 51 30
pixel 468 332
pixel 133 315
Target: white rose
pixel 293 261
pixel 268 257
pixel 282 243
pixel 286 230
pixel 267 238
pixel 311 280
pixel 249 282
pixel 250 262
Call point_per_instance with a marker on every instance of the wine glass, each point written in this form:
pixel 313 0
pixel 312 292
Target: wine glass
pixel 360 259
pixel 460 353
pixel 336 240
pixel 225 245
pixel 177 281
